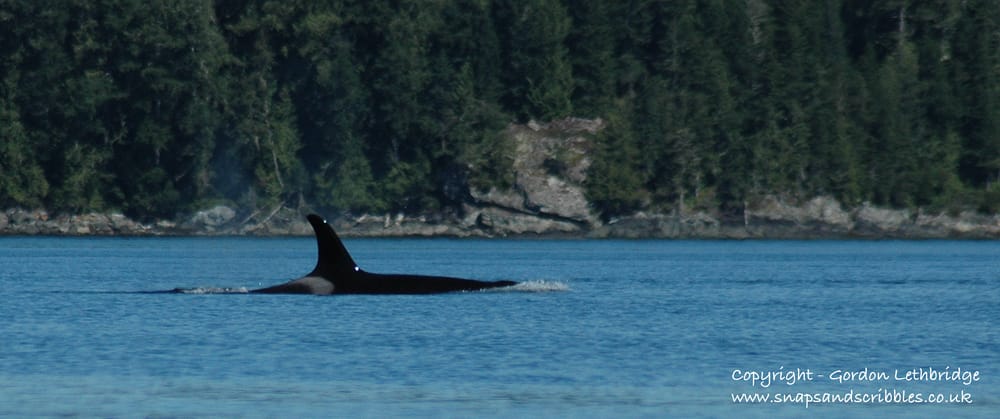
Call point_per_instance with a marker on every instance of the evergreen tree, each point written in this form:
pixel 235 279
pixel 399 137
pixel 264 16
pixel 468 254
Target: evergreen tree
pixel 62 104
pixel 935 178
pixel 462 93
pixel 263 139
pixel 689 106
pixel 591 48
pixel 393 42
pixel 631 31
pixel 165 114
pixel 332 109
pixel 895 104
pixel 22 181
pixel 615 180
pixel 975 58
pixel 467 37
pixel 784 94
pixel 833 166
pixel 473 132
pixel 154 107
pixel 537 73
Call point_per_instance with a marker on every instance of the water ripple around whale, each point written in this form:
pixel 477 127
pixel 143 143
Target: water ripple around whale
pixel 539 285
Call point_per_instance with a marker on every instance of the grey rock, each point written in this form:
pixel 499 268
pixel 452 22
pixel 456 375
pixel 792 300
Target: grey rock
pixel 869 219
pixel 93 224
pixel 550 166
pixel 19 216
pixel 642 225
pixel 775 217
pixel 280 221
pixel 212 218
pixel 966 224
pixel 494 197
pixel 501 221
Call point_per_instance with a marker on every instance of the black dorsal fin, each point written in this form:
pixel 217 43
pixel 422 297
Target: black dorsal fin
pixel 333 258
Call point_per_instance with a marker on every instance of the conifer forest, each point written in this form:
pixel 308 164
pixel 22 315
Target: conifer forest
pixel 157 107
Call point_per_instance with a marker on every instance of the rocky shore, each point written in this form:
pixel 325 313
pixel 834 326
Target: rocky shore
pixel 548 199
pixel 820 218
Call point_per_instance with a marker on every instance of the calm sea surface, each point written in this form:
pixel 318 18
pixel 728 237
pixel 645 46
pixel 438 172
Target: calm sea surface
pixel 599 329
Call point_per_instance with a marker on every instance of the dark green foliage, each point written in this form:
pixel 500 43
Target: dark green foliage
pixel 537 74
pixel 153 107
pixel 22 181
pixel 615 181
pixel 591 44
pixel 975 59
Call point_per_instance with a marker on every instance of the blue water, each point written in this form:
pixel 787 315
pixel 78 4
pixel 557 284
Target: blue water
pixel 600 329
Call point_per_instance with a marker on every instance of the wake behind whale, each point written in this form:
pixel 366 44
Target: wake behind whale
pixel 536 286
pixel 211 290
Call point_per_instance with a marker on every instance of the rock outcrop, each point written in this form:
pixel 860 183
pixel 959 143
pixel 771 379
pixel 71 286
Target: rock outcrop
pixel 644 226
pixel 210 219
pixel 548 195
pixel 19 221
pixel 820 217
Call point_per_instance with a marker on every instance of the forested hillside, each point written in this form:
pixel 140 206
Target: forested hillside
pixel 157 107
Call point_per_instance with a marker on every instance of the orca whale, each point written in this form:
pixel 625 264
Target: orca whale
pixel 337 273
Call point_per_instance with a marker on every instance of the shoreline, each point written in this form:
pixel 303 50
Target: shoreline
pixel 547 199
pixel 818 219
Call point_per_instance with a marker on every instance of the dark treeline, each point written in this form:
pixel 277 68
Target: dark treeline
pixel 157 107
